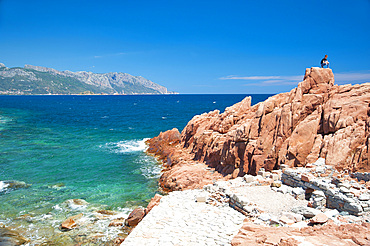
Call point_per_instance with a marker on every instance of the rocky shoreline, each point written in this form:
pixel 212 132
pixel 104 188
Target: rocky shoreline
pixel 256 210
pixel 306 149
pixel 293 170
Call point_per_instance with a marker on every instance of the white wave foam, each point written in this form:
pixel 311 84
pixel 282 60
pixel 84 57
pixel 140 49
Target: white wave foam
pixel 57 207
pixel 149 167
pixel 3 186
pixel 127 146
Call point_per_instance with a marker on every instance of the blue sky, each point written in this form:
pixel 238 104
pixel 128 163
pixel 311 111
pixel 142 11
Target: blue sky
pixel 194 47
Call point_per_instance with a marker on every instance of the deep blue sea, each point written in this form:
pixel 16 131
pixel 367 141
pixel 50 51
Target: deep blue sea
pixel 86 147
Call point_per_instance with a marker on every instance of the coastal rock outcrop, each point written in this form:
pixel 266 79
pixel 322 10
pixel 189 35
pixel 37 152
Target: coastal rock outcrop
pixel 135 217
pixel 179 172
pixel 317 119
pixel 330 234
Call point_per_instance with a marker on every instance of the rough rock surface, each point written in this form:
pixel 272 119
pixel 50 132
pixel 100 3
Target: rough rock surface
pixel 330 234
pixel 181 220
pixel 212 216
pixel 9 237
pixel 153 202
pixel 316 119
pixel 179 171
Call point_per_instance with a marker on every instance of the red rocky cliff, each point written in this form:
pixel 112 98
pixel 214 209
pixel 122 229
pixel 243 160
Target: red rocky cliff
pixel 316 119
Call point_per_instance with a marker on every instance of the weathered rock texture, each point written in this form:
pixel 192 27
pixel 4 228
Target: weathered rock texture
pixel 316 119
pixel 180 172
pixel 330 234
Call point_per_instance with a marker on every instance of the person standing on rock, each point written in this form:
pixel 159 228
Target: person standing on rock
pixel 325 62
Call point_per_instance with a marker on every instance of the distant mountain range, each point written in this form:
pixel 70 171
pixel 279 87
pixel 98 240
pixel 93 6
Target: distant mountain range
pixel 36 80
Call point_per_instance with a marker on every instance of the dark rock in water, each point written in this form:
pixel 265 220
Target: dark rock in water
pixel 57 186
pixel 14 184
pixel 11 238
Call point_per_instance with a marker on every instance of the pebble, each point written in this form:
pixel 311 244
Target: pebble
pixel 195 223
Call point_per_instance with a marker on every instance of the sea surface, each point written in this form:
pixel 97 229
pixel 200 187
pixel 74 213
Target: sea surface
pixel 57 148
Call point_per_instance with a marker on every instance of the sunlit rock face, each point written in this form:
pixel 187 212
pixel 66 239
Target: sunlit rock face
pixel 315 119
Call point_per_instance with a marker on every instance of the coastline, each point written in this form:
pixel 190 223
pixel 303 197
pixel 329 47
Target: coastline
pixel 228 147
pixel 138 94
pixel 89 133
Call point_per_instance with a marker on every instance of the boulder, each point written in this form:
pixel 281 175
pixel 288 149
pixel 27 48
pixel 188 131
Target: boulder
pixel 320 218
pixel 249 178
pixel 135 217
pixel 286 220
pixel 306 211
pixel 364 197
pixel 276 184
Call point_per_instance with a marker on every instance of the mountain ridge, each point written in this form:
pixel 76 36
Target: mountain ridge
pixel 36 80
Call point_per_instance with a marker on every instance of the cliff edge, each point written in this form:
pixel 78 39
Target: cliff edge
pixel 315 119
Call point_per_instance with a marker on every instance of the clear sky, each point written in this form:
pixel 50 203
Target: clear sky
pixel 234 46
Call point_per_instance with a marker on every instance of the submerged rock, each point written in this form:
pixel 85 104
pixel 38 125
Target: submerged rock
pixel 57 186
pixel 12 184
pixel 73 204
pixel 10 237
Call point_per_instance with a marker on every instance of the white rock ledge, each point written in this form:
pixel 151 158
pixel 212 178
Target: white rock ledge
pixel 180 220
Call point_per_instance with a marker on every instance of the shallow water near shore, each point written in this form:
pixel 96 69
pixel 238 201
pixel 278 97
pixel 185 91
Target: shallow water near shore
pixel 56 148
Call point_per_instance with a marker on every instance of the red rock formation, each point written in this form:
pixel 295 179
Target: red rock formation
pixel 316 119
pixel 329 234
pixel 153 202
pixel 179 172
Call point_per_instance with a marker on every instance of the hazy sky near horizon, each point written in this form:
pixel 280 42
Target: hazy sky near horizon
pixel 235 46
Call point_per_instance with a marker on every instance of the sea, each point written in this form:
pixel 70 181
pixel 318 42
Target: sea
pixel 66 155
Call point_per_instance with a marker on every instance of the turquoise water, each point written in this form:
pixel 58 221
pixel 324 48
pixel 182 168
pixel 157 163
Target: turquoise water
pixel 87 147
